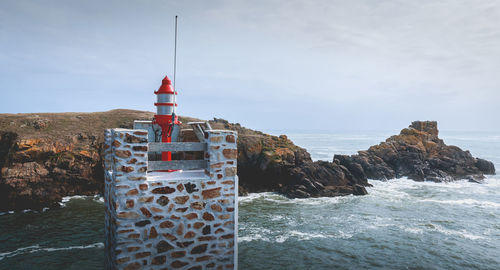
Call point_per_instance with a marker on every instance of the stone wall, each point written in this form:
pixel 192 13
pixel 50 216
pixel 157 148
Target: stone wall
pixel 170 220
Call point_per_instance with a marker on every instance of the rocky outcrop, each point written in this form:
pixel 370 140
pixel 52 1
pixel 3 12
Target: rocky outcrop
pixel 271 163
pixel 44 157
pixel 419 154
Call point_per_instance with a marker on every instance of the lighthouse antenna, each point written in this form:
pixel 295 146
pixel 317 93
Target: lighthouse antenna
pixel 175 61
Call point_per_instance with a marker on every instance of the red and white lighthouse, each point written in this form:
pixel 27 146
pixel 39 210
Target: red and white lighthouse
pixel 165 119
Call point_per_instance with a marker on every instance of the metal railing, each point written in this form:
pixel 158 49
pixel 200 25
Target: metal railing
pixel 177 164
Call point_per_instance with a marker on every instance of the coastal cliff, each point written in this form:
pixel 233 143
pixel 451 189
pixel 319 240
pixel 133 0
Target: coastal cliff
pixel 44 157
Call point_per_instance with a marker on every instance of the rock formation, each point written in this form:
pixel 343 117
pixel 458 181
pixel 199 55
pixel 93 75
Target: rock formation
pixel 44 157
pixel 418 153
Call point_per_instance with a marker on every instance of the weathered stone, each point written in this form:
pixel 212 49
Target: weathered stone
pixel 153 233
pixel 128 215
pixel 181 199
pixel 140 133
pixel 216 207
pixel 203 258
pixel 116 143
pixel 131 249
pixel 159 260
pixel 133 266
pixel 206 238
pixel 142 223
pixel 199 249
pixel 230 138
pixel 158 217
pixel 227 236
pixel 180 187
pixel 184 244
pixel 140 149
pixel 181 210
pixel 142 255
pixel 230 153
pixel 126 169
pixel 169 236
pixel 230 209
pixel 208 217
pixel 180 229
pixel 198 225
pixel 136 178
pixel 142 169
pixel 211 193
pixel 190 234
pixel 123 153
pixel 225 216
pixel 219 230
pixel 163 190
pixel 122 260
pixel 132 192
pixel 206 230
pixel 143 186
pixel 230 171
pixel 146 212
pixel 167 224
pixel 163 246
pixel 145 199
pixel 134 139
pixel 178 264
pixel 125 231
pixel 190 188
pixel 191 216
pixel 155 209
pixel 197 205
pixel 130 203
pixel 132 161
pixel 178 254
pixel 134 236
pixel 217 165
pixel 163 200
pixel 216 139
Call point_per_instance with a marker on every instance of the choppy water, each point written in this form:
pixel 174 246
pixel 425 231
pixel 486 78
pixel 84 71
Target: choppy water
pixel 401 224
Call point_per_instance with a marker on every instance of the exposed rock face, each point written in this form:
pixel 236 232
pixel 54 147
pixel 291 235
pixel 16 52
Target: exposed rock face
pixel 270 163
pixel 44 157
pixel 419 154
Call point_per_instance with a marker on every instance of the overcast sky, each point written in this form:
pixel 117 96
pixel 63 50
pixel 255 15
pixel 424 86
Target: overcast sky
pixel 270 64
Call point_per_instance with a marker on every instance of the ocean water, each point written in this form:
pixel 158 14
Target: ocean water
pixel 401 224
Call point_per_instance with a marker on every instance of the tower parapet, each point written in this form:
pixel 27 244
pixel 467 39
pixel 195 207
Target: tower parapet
pixel 170 214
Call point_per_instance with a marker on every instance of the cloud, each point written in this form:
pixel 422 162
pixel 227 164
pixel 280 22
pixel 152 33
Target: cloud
pixel 371 64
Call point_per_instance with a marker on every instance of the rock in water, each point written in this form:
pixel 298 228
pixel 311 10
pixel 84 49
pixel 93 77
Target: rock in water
pixel 418 153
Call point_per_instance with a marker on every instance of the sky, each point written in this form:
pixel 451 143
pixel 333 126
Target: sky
pixel 267 64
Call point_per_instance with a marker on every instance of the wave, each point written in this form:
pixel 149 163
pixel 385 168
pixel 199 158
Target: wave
pixel 97 198
pixel 37 248
pixel 472 202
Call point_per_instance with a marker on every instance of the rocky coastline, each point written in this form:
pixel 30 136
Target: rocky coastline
pixel 45 157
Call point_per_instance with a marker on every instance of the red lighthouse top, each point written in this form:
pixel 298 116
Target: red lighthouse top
pixel 166 87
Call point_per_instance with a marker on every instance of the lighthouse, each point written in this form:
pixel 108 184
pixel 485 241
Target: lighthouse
pixel 165 122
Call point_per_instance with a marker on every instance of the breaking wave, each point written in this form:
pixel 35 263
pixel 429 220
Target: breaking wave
pixel 37 248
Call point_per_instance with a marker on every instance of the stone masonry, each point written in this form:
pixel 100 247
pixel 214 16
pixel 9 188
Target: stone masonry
pixel 170 220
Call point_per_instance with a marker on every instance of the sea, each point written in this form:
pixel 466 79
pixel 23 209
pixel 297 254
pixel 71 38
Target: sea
pixel 400 224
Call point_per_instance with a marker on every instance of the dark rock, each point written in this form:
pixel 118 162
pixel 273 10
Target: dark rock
pixel 419 154
pixel 163 246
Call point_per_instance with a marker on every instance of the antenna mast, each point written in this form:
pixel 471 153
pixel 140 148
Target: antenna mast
pixel 175 61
